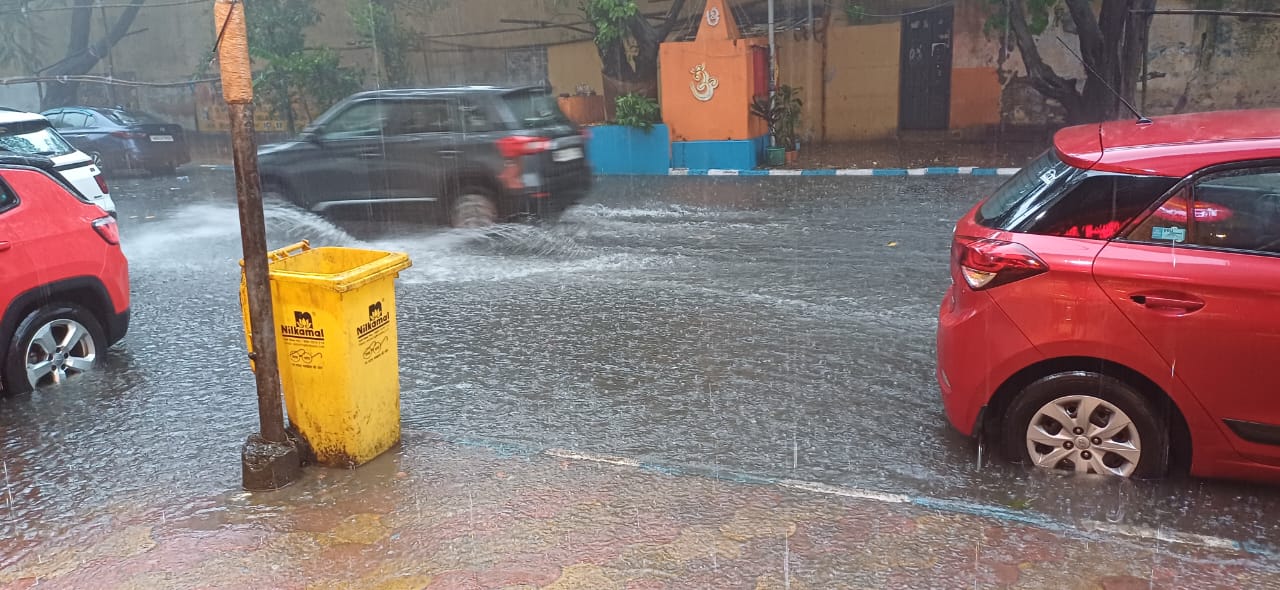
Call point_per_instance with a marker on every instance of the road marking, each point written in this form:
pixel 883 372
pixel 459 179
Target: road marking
pixel 844 492
pixel 592 457
pixel 718 172
pixel 953 506
pixel 854 172
pixel 1148 533
pixel 1007 171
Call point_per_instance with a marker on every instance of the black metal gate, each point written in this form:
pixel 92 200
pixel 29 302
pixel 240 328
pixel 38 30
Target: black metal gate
pixel 925 91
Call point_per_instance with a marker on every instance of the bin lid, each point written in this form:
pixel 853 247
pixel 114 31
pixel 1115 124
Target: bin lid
pixel 334 268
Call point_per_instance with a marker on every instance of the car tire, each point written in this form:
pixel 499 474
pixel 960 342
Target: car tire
pixel 1123 433
pixel 473 208
pixel 75 336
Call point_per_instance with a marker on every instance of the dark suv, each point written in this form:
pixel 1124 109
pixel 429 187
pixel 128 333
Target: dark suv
pixel 480 154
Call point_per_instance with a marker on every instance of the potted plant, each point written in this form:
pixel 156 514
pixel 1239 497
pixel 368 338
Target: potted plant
pixel 788 132
pixel 782 112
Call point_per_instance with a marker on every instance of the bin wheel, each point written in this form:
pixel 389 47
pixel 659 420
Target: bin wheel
pixel 50 345
pixel 473 208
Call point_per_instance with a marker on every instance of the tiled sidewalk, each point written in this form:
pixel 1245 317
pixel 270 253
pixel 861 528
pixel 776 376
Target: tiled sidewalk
pixel 440 515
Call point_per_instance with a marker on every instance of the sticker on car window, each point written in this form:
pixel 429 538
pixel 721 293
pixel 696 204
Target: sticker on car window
pixel 1169 234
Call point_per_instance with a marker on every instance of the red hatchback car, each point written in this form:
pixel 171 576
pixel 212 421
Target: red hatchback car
pixel 64 281
pixel 1117 302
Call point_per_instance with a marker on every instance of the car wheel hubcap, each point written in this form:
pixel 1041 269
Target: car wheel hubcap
pixel 1084 434
pixel 60 349
pixel 473 211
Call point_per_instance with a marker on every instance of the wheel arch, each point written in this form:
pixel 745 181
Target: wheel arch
pixel 87 292
pixel 1179 432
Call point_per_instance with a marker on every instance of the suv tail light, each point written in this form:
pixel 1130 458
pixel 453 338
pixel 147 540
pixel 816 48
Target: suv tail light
pixel 986 263
pixel 102 183
pixel 107 228
pixel 128 135
pixel 515 146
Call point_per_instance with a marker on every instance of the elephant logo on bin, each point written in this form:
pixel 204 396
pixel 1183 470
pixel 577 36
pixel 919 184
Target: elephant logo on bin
pixel 378 321
pixel 302 319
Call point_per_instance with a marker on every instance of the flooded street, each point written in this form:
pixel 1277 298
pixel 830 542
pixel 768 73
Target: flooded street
pixel 750 330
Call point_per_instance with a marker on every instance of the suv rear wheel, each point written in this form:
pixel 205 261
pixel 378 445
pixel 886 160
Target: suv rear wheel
pixel 473 208
pixel 1087 422
pixel 50 345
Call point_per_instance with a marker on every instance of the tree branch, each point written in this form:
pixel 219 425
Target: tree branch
pixel 1092 45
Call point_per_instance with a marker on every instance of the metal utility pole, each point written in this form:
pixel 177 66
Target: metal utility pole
pixel 773 68
pixel 269 459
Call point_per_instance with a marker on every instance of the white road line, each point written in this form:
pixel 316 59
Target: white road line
pixel 787 172
pixel 716 172
pixel 854 172
pixel 1141 532
pixel 1088 526
pixel 1007 171
pixel 844 492
pixel 592 457
pixel 917 171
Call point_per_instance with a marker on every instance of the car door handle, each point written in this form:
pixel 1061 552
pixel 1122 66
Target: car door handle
pixel 449 153
pixel 369 155
pixel 1168 302
pixel 4 246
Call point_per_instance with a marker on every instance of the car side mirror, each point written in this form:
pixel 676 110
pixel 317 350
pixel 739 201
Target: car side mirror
pixel 315 136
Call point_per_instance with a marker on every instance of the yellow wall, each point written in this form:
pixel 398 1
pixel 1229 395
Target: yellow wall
pixel 800 66
pixel 862 73
pixel 572 64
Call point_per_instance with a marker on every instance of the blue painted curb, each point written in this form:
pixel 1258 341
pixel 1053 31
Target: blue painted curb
pixel 930 171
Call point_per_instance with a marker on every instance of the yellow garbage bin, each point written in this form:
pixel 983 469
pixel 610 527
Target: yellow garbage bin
pixel 335 315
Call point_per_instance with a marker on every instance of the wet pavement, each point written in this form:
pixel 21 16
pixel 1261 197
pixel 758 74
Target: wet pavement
pixel 726 335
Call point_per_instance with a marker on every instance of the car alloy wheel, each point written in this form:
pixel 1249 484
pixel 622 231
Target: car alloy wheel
pixel 59 349
pixel 473 210
pixel 1084 434
pixel 1088 422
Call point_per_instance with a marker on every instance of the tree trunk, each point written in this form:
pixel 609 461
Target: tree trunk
pixel 81 56
pixel 1112 44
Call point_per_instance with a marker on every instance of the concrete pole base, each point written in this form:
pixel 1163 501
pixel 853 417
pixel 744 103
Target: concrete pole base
pixel 269 465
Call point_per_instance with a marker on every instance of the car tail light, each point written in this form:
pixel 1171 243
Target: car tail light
pixel 986 263
pixel 107 228
pixel 128 135
pixel 102 183
pixel 516 146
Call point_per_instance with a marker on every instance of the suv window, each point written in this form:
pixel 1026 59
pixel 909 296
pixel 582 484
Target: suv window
pixel 535 109
pixel 362 119
pixel 418 116
pixel 33 138
pixel 476 118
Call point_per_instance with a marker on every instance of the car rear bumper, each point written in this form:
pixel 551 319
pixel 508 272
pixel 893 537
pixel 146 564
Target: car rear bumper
pixel 978 349
pixel 117 326
pixel 555 197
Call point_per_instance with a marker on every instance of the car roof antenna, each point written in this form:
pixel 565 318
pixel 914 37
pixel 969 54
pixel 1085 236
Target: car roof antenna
pixel 1142 120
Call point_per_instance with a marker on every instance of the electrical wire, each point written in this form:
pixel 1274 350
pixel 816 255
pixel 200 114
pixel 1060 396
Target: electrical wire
pixel 25 10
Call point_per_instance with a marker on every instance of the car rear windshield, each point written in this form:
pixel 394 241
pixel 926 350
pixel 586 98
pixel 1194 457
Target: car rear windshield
pixel 128 119
pixel 1049 197
pixel 33 138
pixel 535 109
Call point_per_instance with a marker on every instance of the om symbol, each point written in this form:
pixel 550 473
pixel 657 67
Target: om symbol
pixel 703 85
pixel 713 16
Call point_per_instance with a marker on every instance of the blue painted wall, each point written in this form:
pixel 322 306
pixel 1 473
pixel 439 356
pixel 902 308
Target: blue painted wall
pixel 743 154
pixel 615 149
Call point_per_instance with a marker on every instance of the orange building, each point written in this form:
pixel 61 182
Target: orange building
pixel 707 88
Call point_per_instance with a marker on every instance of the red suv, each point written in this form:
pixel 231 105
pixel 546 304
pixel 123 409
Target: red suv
pixel 64 282
pixel 1117 302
